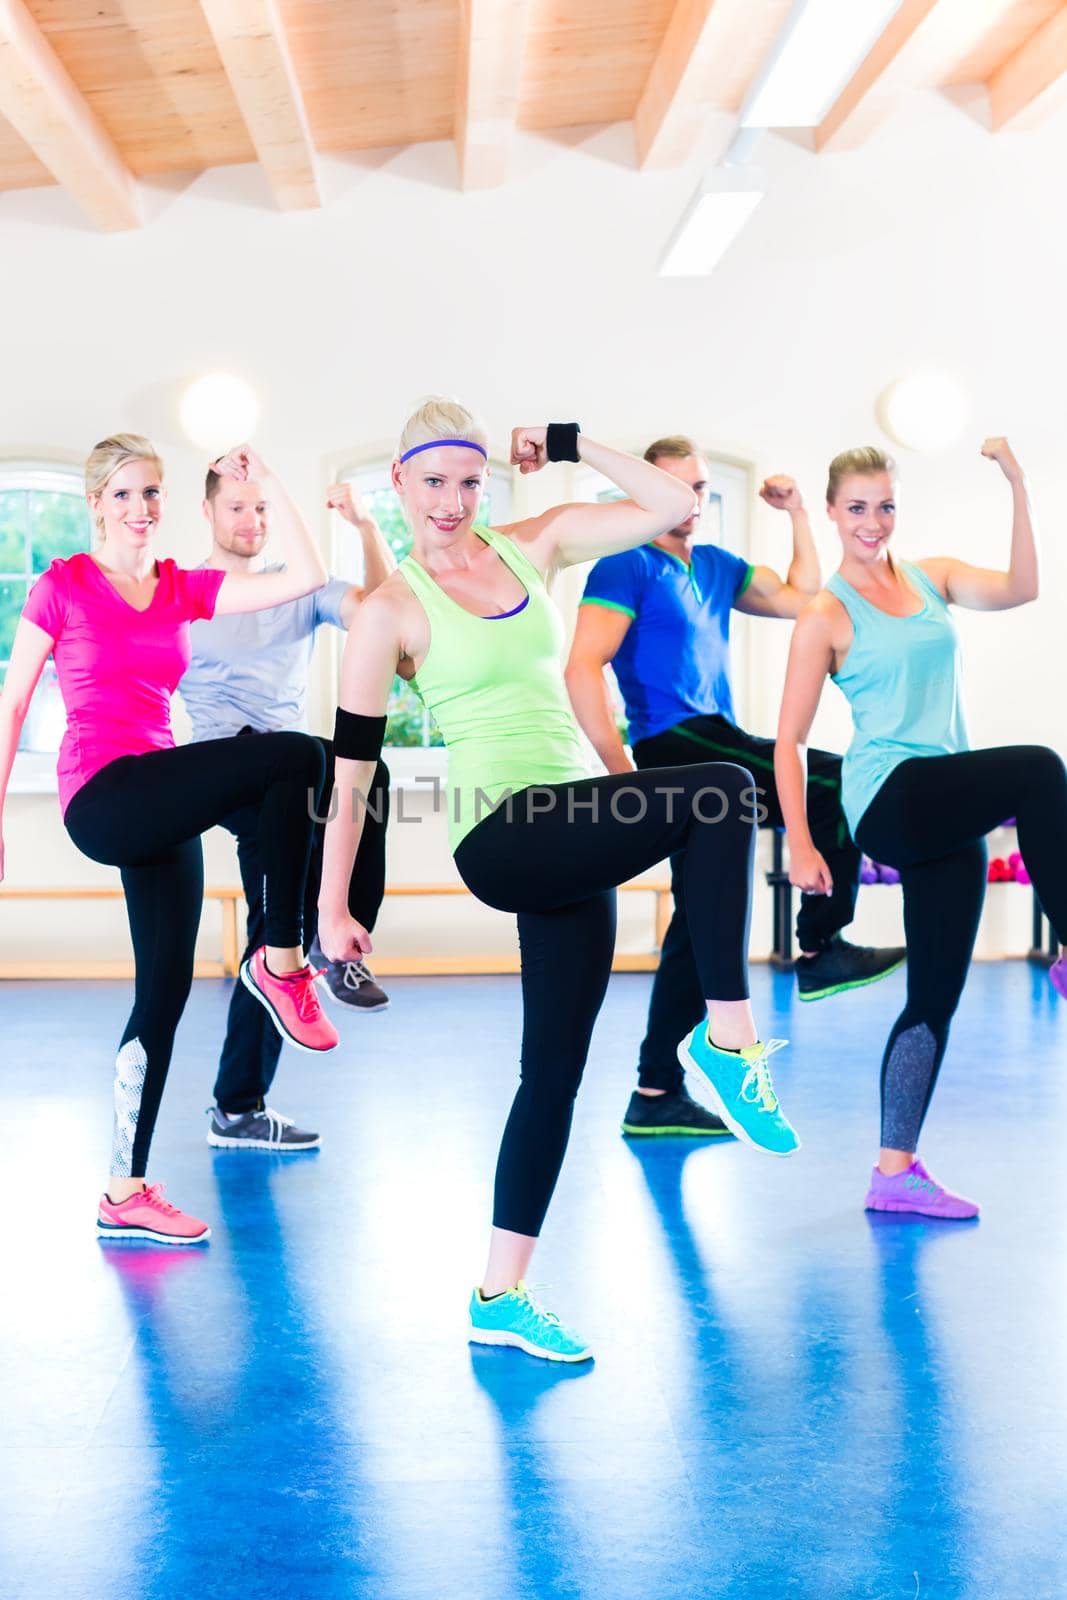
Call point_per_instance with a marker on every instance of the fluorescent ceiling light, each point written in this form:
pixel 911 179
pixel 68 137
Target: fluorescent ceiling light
pixel 711 224
pixel 822 44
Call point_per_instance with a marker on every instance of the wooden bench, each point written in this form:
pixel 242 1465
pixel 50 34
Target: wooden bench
pixel 385 966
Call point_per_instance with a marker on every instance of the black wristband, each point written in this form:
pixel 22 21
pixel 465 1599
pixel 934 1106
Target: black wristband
pixel 561 441
pixel 357 738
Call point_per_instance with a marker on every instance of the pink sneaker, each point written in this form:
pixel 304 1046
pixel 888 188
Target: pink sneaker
pixel 292 1004
pixel 914 1190
pixel 148 1216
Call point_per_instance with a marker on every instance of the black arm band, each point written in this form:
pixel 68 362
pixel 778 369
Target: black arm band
pixel 561 441
pixel 357 738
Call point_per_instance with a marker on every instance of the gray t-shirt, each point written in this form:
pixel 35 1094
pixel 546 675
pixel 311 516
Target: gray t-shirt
pixel 251 670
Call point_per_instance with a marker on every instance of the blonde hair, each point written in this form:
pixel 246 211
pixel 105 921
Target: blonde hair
pixel 865 460
pixel 676 447
pixel 109 455
pixel 440 417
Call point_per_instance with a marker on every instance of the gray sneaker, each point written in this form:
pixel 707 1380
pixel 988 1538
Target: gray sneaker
pixel 258 1130
pixel 350 983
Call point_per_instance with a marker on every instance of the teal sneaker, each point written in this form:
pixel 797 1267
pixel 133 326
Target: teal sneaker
pixel 740 1090
pixel 515 1318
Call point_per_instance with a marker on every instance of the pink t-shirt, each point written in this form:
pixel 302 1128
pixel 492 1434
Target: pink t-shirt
pixel 117 666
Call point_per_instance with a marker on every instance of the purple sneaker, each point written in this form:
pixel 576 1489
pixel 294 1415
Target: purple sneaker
pixel 1057 976
pixel 915 1190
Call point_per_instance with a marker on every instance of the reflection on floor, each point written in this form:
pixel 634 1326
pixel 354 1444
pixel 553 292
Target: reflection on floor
pixel 790 1398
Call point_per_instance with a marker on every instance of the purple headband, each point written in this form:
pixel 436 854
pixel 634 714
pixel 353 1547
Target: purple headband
pixel 466 444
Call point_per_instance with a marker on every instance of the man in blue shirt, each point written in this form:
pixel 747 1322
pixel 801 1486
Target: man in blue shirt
pixel 248 675
pixel 660 617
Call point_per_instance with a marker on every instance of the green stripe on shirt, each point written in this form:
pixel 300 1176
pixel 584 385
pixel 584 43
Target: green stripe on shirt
pixel 609 605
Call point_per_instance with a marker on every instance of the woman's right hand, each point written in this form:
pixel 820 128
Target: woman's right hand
pixel 808 871
pixel 781 492
pixel 342 938
pixel 529 448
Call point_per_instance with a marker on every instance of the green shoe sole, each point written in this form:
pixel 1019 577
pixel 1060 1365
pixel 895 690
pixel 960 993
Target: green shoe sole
pixel 857 983
pixel 632 1131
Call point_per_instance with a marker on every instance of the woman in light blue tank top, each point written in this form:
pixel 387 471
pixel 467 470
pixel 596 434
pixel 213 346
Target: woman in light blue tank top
pixel 915 794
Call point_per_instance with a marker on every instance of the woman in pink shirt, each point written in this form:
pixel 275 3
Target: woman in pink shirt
pixel 117 623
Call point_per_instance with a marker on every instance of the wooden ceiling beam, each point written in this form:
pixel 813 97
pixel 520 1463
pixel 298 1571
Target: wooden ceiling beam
pixel 919 49
pixel 491 48
pixel 252 44
pixel 709 56
pixel 1033 68
pixel 49 112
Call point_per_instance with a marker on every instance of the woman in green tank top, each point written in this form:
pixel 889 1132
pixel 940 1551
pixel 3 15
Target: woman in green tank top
pixel 915 795
pixel 468 620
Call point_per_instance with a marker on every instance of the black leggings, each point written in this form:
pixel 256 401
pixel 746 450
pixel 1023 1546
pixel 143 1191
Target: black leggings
pixel 555 855
pixel 253 1045
pixel 145 814
pixel 928 820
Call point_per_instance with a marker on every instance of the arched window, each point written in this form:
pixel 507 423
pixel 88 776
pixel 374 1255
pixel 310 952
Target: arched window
pixel 43 515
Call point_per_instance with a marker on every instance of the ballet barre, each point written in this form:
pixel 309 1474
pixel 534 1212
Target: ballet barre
pixel 386 966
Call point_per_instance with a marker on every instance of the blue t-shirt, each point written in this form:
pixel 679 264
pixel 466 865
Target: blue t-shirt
pixel 674 662
pixel 251 670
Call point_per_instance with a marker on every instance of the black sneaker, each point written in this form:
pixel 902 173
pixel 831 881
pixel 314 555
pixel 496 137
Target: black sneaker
pixel 258 1130
pixel 839 966
pixel 676 1113
pixel 350 983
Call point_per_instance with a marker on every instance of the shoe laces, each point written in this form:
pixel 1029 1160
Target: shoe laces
pixel 152 1195
pixel 356 974
pixel 276 1123
pixel 756 1085
pixel 304 997
pixel 534 1308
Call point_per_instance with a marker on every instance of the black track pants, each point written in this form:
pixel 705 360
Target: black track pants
pixel 676 1000
pixel 253 1045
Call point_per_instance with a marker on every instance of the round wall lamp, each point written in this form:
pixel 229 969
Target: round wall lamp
pixel 926 411
pixel 218 411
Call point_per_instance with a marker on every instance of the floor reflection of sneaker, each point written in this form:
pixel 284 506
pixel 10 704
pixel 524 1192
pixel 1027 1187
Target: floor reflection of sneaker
pixel 292 1004
pixel 914 1190
pixel 146 1215
pixel 265 1129
pixel 738 1084
pixel 839 966
pixel 675 1114
pixel 350 983
pixel 515 1318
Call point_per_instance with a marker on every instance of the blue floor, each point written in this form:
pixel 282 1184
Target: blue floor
pixel 790 1398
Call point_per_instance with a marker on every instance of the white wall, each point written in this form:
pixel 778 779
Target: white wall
pixel 936 244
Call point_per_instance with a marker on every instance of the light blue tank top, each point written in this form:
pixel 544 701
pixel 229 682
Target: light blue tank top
pixel 901 678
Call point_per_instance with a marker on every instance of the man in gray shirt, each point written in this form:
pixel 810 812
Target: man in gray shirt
pixel 248 675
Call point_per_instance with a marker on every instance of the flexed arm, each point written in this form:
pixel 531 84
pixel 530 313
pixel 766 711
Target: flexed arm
pixel 305 570
pixel 657 502
pixel 766 594
pixel 985 588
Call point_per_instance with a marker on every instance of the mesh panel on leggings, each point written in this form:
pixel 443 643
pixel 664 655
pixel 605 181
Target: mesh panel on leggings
pixel 906 1086
pixel 131 1064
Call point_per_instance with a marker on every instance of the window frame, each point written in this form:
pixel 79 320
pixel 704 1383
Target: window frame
pixel 29 473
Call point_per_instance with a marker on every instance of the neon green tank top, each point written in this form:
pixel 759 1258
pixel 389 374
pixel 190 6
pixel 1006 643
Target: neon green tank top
pixel 495 686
